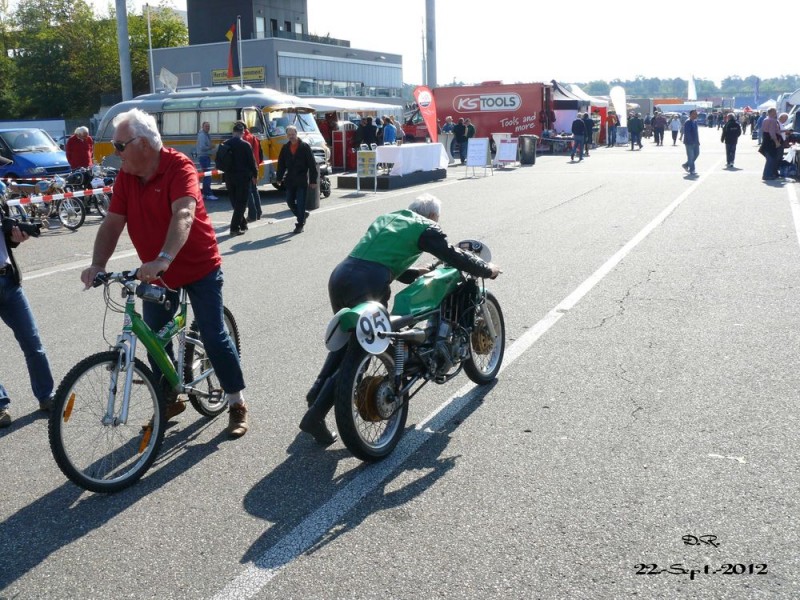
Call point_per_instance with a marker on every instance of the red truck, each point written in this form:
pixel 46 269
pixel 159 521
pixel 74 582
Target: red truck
pixel 491 106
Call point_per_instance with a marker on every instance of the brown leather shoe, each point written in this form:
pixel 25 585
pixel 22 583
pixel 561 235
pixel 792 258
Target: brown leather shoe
pixel 237 420
pixel 174 409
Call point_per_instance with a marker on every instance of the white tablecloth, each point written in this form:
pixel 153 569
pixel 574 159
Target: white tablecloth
pixel 409 158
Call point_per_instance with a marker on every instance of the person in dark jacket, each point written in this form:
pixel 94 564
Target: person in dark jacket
pixel 16 313
pixel 392 244
pixel 579 138
pixel 240 178
pixel 588 124
pixel 730 135
pixel 369 134
pixel 460 138
pixel 298 170
pixel 635 128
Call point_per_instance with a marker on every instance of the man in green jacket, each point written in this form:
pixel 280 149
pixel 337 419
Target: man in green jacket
pixel 392 244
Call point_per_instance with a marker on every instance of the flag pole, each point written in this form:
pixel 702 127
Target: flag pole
pixel 239 44
pixel 150 52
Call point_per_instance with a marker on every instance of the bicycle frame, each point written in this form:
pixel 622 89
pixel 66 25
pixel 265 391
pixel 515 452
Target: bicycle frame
pixel 134 329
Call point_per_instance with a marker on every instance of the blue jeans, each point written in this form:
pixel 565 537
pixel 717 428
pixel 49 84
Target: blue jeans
pixel 205 164
pixel 612 136
pixel 692 152
pixel 296 199
pixel 253 203
pixel 636 138
pixel 206 297
pixel 577 146
pixel 16 313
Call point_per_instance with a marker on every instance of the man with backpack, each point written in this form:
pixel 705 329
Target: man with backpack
pixel 235 160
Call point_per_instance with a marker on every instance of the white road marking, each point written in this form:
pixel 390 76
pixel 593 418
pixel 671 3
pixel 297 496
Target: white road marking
pixel 303 537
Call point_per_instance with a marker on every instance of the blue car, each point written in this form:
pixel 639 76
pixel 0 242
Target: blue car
pixel 33 154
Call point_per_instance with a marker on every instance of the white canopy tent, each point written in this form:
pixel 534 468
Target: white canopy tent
pixel 767 105
pixel 576 89
pixel 353 105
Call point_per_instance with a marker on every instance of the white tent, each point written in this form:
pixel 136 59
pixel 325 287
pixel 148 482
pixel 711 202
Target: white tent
pixel 353 105
pixel 767 105
pixel 575 89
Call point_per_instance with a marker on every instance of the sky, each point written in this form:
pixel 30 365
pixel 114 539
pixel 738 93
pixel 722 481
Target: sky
pixel 532 40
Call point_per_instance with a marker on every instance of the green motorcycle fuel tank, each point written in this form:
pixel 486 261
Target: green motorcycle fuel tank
pixel 427 292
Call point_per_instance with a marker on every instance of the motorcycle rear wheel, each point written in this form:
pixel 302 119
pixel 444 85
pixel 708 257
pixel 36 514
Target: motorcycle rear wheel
pixel 369 418
pixel 485 353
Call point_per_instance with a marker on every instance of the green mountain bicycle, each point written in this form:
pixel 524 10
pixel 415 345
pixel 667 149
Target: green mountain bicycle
pixel 108 417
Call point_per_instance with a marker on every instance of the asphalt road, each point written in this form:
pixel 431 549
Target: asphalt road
pixel 647 413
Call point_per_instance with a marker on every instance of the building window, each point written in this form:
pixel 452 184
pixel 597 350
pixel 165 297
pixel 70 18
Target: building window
pixel 298 28
pixel 273 25
pixel 287 26
pixel 261 27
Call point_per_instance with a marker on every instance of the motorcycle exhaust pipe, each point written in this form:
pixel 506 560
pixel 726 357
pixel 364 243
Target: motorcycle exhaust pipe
pixel 412 336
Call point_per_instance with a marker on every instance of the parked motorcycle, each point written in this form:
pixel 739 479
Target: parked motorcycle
pixel 442 323
pixel 324 181
pixel 91 179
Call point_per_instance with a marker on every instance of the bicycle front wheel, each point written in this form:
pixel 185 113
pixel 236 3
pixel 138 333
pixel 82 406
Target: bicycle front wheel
pixel 91 443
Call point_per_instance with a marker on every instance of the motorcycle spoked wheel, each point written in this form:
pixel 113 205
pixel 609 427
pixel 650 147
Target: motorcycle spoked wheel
pixel 369 418
pixel 485 353
pixel 325 186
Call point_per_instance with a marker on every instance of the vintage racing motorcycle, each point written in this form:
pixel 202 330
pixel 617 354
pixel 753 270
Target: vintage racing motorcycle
pixel 442 323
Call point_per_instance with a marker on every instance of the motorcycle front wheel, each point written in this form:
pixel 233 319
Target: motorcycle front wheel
pixel 71 213
pixel 369 416
pixel 486 352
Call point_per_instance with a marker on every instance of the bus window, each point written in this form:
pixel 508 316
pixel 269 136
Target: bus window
pixel 250 116
pixel 179 123
pixel 226 119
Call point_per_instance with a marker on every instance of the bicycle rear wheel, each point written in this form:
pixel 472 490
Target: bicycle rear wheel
pixel 211 401
pixel 93 447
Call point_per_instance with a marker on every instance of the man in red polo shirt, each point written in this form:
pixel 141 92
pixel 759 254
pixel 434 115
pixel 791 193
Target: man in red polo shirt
pixel 157 196
pixel 79 149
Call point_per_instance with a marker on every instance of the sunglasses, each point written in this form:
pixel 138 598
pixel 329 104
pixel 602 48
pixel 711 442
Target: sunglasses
pixel 120 146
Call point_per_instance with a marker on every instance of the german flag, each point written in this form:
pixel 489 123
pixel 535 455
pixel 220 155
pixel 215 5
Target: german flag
pixel 233 53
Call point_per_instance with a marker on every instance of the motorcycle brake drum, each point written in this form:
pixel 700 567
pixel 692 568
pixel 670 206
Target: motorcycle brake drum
pixel 374 401
pixel 482 342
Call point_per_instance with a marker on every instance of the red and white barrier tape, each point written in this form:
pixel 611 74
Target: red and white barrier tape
pixel 51 197
pixel 218 172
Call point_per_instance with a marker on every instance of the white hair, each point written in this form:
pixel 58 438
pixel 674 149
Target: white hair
pixel 142 125
pixel 81 130
pixel 427 205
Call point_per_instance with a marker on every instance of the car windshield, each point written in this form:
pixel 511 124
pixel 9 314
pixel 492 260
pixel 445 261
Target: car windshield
pixel 279 120
pixel 29 140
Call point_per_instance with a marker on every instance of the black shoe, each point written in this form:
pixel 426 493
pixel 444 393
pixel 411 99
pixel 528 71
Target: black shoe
pixel 298 228
pixel 308 214
pixel 235 232
pixel 251 219
pixel 314 425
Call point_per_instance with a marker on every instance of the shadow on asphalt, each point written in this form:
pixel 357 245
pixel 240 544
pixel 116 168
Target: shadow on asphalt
pixel 68 513
pixel 307 480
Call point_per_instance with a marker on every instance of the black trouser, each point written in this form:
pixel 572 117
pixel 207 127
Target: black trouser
pixel 730 152
pixel 238 191
pixel 352 282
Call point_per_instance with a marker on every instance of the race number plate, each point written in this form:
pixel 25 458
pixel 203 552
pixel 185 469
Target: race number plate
pixel 373 319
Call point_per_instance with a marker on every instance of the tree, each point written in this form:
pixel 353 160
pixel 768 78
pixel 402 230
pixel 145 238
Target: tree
pixel 8 73
pixel 66 58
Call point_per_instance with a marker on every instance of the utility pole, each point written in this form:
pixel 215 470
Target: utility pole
pixel 430 28
pixel 123 43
